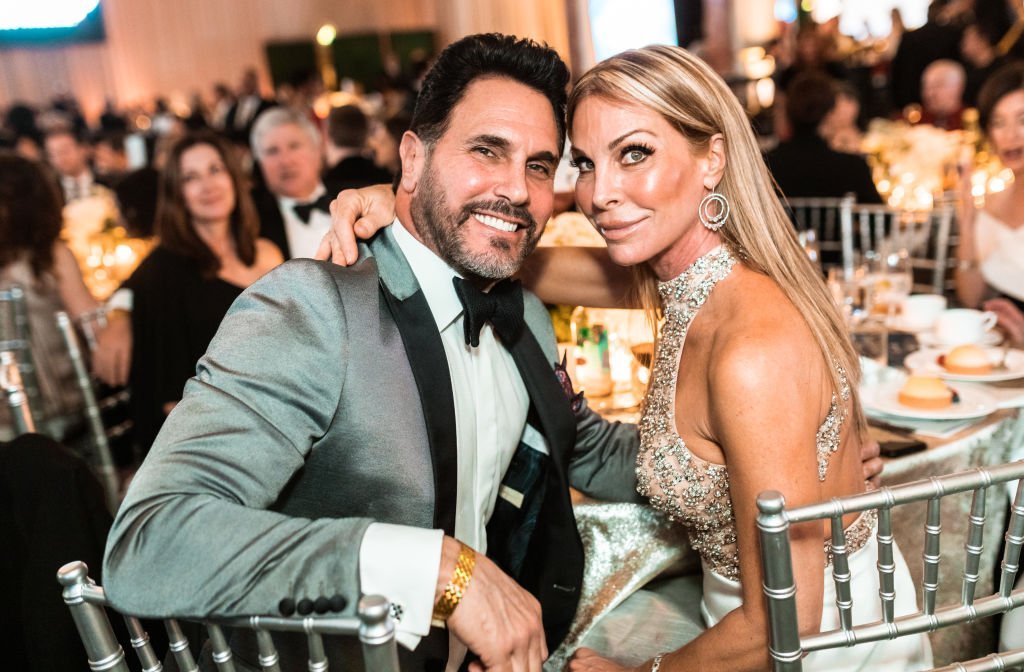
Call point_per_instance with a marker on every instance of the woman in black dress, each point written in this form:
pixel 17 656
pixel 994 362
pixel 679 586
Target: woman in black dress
pixel 209 252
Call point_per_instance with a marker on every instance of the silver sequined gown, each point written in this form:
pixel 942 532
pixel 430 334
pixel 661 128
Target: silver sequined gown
pixel 695 493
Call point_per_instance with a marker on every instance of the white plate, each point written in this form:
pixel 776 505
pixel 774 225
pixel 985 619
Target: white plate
pixel 928 338
pixel 927 361
pixel 883 399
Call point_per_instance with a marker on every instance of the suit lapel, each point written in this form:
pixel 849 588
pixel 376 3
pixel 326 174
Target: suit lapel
pixel 423 347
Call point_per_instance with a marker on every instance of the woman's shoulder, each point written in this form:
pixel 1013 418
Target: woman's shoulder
pixel 760 332
pixel 997 211
pixel 268 255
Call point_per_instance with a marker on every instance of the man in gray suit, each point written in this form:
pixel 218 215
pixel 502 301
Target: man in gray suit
pixel 376 429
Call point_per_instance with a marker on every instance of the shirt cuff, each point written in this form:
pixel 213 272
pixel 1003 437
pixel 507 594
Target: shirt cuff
pixel 122 299
pixel 401 563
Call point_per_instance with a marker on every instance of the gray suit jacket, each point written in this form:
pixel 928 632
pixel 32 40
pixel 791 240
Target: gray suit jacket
pixel 314 413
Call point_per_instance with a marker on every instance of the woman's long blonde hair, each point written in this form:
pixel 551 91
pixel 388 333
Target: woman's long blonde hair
pixel 689 95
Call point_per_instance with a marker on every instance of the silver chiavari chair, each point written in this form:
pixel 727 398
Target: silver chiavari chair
pixel 824 217
pixel 88 604
pixel 15 336
pixel 927 236
pixel 102 460
pixel 787 646
pixel 14 393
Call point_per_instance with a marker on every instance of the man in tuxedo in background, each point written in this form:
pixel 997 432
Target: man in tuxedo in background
pixel 378 428
pixel 293 205
pixel 69 157
pixel 349 166
pixel 246 109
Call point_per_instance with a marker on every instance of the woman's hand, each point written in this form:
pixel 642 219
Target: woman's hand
pixel 1011 320
pixel 355 213
pixel 587 660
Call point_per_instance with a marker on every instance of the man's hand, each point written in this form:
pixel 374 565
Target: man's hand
pixel 112 358
pixel 498 620
pixel 1011 320
pixel 355 213
pixel 871 462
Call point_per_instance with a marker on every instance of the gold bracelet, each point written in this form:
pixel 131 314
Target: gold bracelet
pixel 457 585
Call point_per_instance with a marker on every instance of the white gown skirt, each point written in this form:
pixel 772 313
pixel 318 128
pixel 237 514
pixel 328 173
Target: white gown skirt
pixel 913 652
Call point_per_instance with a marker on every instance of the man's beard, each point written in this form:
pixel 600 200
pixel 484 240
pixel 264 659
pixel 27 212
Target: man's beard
pixel 443 230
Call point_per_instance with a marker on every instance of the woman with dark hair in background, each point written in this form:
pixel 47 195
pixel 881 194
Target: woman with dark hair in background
pixel 33 258
pixel 990 256
pixel 209 252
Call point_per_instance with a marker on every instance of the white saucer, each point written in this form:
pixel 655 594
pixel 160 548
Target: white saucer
pixel 928 338
pixel 883 399
pixel 896 322
pixel 927 362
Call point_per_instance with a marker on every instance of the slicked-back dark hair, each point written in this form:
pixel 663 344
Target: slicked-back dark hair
pixel 487 55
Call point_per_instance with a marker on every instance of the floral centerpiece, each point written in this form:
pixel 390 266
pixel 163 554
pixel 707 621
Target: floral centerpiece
pixel 912 165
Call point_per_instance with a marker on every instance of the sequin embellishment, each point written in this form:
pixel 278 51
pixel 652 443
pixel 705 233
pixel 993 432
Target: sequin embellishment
pixel 691 491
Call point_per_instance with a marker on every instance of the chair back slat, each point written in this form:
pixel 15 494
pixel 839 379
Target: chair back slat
pixel 779 586
pixel 219 648
pixel 932 555
pixel 886 565
pixel 87 602
pixel 178 645
pixel 1014 540
pixel 101 647
pixel 268 657
pixel 841 573
pixel 14 394
pixel 973 546
pixel 103 461
pixel 142 646
pixel 317 654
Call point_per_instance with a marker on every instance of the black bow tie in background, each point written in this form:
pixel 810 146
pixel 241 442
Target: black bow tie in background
pixel 304 210
pixel 502 307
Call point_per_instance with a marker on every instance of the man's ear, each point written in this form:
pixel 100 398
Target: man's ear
pixel 413 152
pixel 714 161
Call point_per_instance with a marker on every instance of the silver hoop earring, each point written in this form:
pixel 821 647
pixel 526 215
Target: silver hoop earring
pixel 713 221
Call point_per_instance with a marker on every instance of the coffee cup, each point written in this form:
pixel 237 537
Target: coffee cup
pixel 963 325
pixel 921 310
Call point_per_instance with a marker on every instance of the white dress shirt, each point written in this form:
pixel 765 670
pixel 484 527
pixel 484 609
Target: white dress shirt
pixel 491 403
pixel 304 237
pixel 77 187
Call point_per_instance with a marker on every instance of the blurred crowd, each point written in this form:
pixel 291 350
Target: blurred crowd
pixel 226 189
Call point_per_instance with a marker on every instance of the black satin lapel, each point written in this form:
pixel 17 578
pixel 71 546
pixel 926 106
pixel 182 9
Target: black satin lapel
pixel 433 381
pixel 547 398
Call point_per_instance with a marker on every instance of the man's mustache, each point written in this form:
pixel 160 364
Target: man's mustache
pixel 500 207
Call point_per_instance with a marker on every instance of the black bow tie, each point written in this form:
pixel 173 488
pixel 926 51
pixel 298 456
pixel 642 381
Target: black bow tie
pixel 502 307
pixel 304 210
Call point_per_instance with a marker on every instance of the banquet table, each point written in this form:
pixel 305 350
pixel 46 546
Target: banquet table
pixel 641 587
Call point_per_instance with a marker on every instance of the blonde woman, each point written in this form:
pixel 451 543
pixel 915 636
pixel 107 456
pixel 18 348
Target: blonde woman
pixel 763 396
pixel 671 176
